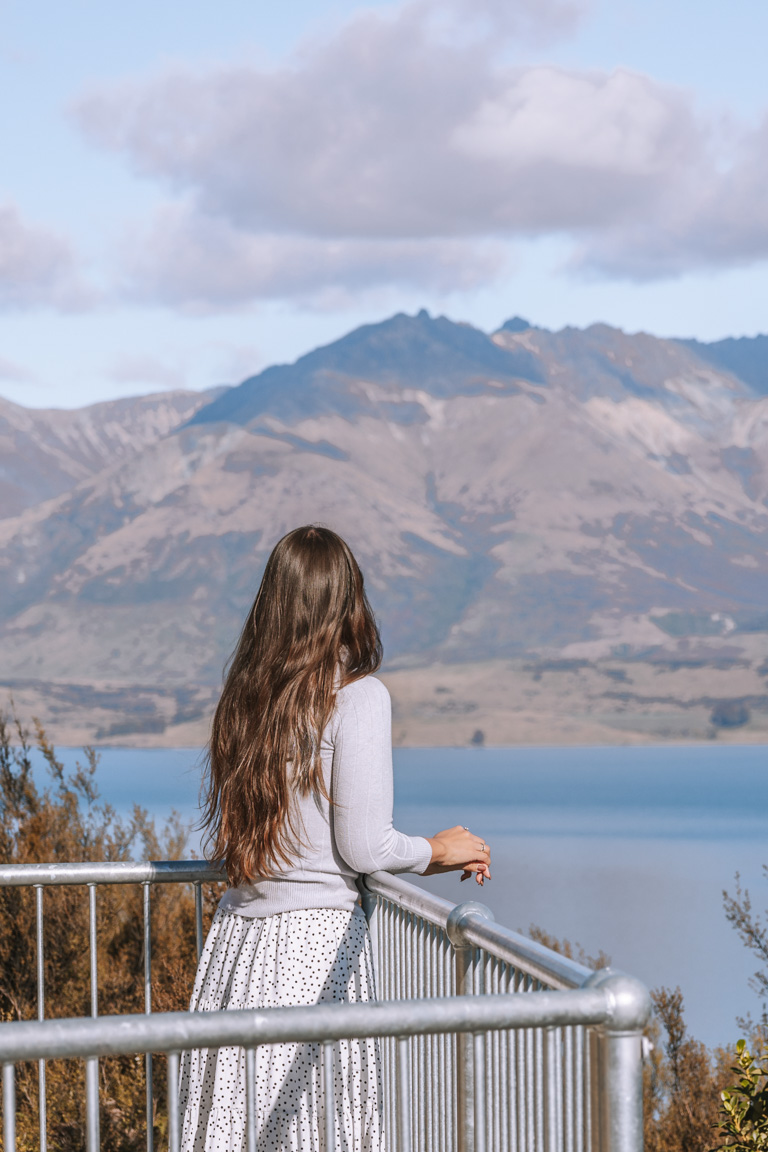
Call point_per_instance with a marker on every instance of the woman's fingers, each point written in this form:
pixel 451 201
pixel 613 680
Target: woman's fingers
pixel 481 872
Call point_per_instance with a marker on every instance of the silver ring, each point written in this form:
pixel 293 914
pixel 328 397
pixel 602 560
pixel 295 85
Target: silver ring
pixel 465 828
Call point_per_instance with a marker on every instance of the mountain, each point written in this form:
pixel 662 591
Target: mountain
pixel 745 356
pixel 45 452
pixel 565 536
pixel 401 354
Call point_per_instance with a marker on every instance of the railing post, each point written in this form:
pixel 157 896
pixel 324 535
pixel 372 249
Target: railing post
pixel 466 960
pixel 617 1068
pixel 370 906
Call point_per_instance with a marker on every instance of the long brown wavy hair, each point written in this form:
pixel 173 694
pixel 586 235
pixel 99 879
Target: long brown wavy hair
pixel 310 631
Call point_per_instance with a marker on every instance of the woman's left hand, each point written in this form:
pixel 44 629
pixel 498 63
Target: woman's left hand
pixel 459 850
pixel 482 871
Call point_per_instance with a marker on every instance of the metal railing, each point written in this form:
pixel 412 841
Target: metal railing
pixel 490 1042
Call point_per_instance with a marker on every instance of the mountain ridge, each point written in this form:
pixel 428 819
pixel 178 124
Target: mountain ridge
pixel 583 507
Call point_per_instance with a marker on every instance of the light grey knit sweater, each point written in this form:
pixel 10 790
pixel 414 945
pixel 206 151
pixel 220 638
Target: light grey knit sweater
pixel 354 834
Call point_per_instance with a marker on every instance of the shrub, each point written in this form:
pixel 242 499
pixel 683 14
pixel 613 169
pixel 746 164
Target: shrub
pixel 66 822
pixel 743 1117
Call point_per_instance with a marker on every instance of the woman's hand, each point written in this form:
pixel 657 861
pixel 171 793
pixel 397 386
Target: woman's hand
pixel 458 849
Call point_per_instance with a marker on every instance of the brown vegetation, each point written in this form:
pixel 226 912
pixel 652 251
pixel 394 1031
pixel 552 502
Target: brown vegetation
pixel 66 822
pixel 682 1079
pixel 683 1082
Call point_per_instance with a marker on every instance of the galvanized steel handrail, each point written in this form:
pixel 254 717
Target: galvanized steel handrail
pixel 477 930
pixel 111 872
pixel 180 1031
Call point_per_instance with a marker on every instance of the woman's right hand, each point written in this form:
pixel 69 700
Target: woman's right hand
pixel 458 849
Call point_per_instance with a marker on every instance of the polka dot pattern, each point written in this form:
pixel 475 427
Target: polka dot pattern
pixel 315 955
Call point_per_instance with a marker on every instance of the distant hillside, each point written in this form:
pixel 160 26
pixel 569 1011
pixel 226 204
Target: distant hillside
pixel 576 520
pixel 45 452
pixel 746 357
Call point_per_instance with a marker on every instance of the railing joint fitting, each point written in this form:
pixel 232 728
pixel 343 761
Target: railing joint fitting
pixel 629 1002
pixel 455 926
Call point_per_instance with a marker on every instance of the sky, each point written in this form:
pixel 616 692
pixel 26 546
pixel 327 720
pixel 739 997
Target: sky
pixel 190 192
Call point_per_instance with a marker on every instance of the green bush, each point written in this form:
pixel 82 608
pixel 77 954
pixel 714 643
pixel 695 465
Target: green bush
pixel 743 1118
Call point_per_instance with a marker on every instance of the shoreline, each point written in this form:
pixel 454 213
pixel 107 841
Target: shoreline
pixel 494 704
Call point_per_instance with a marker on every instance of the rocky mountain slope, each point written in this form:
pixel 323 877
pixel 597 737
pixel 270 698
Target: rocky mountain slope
pixel 542 517
pixel 44 452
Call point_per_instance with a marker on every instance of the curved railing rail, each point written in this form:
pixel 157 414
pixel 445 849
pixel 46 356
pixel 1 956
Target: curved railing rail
pixel 477 928
pixel 470 1064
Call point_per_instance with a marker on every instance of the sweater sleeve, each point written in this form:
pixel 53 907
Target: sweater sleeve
pixel 362 787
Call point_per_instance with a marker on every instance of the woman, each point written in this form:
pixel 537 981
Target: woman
pixel 299 804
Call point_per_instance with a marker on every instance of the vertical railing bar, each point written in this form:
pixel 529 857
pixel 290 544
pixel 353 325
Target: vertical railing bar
pixel 550 1059
pixel 329 1097
pixel 512 1080
pixel 250 1100
pixel 198 918
pixel 578 1090
pixel 93 1139
pixel 491 1059
pixel 442 1069
pixel 478 1045
pixel 498 1079
pixel 41 1077
pixel 387 944
pixel 529 1140
pixel 174 1127
pixel 439 1071
pixel 149 1086
pixel 410 991
pixel 396 952
pixel 429 1068
pixel 403 1095
pixel 397 957
pixel 394 914
pixel 93 948
pixel 416 1042
pixel 92 1136
pixel 389 1082
pixel 591 1128
pixel 567 1082
pixel 9 1108
pixel 540 1073
pixel 451 1048
pixel 563 1088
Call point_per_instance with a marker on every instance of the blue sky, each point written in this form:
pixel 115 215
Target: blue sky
pixel 190 192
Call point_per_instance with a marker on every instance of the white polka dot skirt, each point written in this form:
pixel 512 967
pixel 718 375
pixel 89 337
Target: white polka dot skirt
pixel 314 955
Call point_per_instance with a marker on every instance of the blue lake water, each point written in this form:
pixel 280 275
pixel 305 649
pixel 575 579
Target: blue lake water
pixel 621 849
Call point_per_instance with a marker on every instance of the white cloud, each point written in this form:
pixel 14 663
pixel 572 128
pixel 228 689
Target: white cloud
pixel 715 218
pixel 399 151
pixel 385 132
pixel 189 260
pixel 37 267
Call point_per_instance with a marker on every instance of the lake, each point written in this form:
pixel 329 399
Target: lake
pixel 621 849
